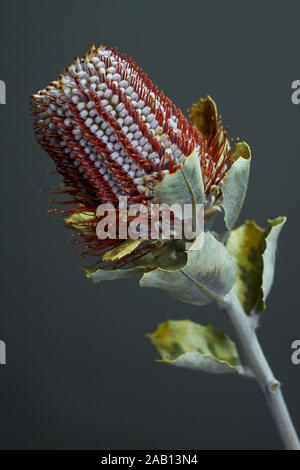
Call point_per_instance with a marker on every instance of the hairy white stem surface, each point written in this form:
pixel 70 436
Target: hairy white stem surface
pixel 255 360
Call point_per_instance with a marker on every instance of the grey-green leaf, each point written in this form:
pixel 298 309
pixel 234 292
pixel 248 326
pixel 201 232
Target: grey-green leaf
pixel 184 186
pixel 208 275
pixel 235 185
pixel 184 343
pixel 269 255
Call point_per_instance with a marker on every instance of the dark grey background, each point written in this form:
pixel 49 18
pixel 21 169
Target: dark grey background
pixel 79 372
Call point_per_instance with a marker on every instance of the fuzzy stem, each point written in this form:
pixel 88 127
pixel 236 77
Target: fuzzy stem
pixel 255 360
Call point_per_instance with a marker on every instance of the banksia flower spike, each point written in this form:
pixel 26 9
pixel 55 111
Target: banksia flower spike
pixel 112 133
pixel 113 137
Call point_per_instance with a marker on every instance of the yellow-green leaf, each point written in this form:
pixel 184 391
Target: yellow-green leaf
pixel 80 221
pixel 184 343
pixel 122 250
pixel 98 275
pixel 204 116
pixel 253 249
